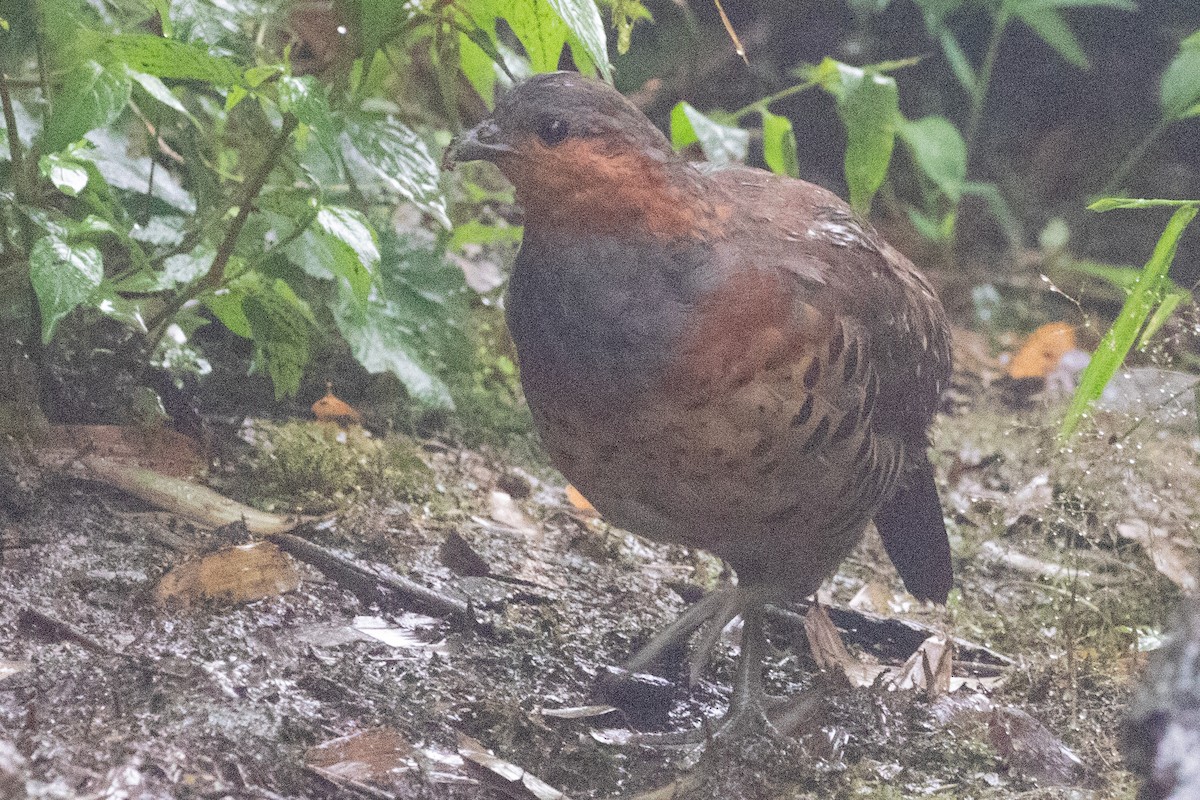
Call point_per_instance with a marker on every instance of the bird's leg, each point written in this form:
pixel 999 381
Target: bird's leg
pixel 679 631
pixel 748 701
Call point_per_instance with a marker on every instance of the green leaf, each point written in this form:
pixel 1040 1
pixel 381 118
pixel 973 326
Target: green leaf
pixel 308 100
pixel 91 97
pixel 381 21
pixel 399 158
pixel 110 155
pixel 1112 203
pixel 779 145
pixel 159 91
pixel 478 66
pixel 939 151
pixel 722 144
pixel 869 105
pixel 163 7
pixel 1179 89
pixel 582 19
pixel 280 324
pixel 625 15
pixel 383 341
pixel 1052 29
pixel 67 174
pixel 168 58
pixel 63 276
pixel 1120 338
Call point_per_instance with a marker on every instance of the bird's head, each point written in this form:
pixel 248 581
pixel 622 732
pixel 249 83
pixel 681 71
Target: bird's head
pixel 581 155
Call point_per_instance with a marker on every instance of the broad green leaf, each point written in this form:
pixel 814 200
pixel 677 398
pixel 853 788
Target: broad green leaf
pixel 1179 89
pixel 869 105
pixel 280 325
pixel 63 276
pixel 939 151
pixel 399 158
pixel 154 87
pixel 308 100
pixel 110 155
pixel 68 175
pixel 582 19
pixel 722 144
pixel 478 66
pixel 383 341
pixel 91 97
pixel 779 145
pixel 1120 338
pixel 226 305
pixel 351 227
pixel 168 58
pixel 341 244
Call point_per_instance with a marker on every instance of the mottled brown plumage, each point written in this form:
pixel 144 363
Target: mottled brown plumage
pixel 726 358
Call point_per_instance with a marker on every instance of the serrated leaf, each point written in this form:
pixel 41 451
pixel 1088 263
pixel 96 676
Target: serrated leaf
pixel 63 276
pixel 168 58
pixel 722 144
pixel 67 174
pixel 1179 88
pixel 939 151
pixel 399 158
pixel 779 145
pixel 280 325
pixel 91 97
pixel 381 340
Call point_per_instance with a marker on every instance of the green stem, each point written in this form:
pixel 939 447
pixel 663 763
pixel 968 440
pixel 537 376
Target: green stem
pixel 759 105
pixel 979 95
pixel 1135 155
pixel 216 273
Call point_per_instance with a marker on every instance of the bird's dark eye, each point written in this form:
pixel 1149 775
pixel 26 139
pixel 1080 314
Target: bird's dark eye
pixel 553 130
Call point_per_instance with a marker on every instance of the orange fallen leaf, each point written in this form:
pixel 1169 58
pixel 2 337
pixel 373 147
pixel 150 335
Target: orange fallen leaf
pixel 239 574
pixel 1042 351
pixel 331 408
pixel 579 502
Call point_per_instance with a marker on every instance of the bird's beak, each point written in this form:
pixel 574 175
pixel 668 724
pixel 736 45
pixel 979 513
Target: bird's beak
pixel 484 142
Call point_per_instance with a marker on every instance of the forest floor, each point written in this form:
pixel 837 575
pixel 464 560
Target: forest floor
pixel 123 674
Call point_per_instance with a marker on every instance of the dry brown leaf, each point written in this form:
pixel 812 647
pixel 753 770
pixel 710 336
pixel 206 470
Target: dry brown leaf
pixel 331 408
pixel 504 776
pixel 370 756
pixel 233 575
pixel 579 502
pixel 162 450
pixel 1169 556
pixel 1042 351
pixel 929 668
pixel 829 651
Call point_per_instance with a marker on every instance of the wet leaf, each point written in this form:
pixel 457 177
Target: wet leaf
pixel 503 775
pixel 779 145
pixel 1173 557
pixel 1179 90
pixel 939 151
pixel 91 97
pixel 398 158
pixel 234 576
pixel 63 275
pixel 722 144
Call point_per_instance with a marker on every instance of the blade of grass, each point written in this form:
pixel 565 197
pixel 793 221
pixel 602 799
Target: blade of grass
pixel 1120 338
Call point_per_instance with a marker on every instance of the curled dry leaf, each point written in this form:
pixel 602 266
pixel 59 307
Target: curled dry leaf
pixel 233 575
pixel 504 776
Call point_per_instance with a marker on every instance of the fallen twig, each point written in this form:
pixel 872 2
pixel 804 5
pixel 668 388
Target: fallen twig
pixel 370 586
